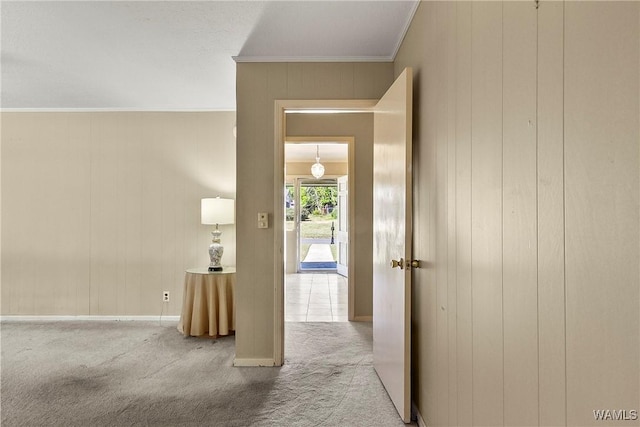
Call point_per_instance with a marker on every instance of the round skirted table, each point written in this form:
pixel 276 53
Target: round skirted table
pixel 208 303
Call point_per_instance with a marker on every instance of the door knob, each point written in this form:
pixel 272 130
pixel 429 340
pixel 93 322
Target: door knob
pixel 413 264
pixel 399 263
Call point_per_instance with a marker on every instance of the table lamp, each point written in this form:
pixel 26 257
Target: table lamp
pixel 216 211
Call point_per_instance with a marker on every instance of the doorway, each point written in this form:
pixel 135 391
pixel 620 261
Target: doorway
pixel 392 127
pixel 313 291
pixel 284 108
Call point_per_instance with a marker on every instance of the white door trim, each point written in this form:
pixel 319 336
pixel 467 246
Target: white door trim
pixel 281 106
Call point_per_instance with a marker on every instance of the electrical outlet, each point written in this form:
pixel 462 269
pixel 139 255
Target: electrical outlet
pixel 165 296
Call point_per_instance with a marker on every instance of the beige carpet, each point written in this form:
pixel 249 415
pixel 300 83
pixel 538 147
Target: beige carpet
pixel 144 374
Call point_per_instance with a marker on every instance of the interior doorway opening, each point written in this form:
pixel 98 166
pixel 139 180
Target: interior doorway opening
pixel 313 290
pixel 284 108
pixel 316 209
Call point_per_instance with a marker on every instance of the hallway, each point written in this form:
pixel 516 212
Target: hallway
pixel 316 297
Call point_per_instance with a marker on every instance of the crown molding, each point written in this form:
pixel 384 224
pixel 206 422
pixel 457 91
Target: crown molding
pixel 240 59
pixel 113 110
pixel 405 30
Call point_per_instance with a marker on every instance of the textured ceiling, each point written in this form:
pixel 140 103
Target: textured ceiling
pixel 176 55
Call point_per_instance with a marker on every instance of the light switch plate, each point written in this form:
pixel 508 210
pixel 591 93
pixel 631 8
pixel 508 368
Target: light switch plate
pixel 263 220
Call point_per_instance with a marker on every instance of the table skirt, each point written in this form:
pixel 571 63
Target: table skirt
pixel 208 305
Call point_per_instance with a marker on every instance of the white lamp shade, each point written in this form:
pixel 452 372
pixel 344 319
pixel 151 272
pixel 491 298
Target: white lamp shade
pixel 217 211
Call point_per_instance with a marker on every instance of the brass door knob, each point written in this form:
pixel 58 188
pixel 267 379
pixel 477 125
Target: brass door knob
pixel 399 263
pixel 413 264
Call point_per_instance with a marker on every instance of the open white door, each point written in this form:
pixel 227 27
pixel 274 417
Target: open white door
pixel 342 235
pixel 392 219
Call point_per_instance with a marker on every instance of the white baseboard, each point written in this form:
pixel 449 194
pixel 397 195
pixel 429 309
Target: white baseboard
pixel 88 318
pixel 414 410
pixel 253 362
pixel 363 319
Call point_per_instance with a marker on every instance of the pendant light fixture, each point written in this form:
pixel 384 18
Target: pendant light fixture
pixel 317 170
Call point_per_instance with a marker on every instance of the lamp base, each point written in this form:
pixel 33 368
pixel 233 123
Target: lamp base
pixel 215 251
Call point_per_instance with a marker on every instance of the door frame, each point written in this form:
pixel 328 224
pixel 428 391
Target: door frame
pixel 280 126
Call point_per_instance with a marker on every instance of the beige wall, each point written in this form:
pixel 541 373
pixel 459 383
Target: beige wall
pixel 258 85
pixel 360 126
pixel 526 208
pixel 101 211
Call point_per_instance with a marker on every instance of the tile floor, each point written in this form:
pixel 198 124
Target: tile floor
pixel 315 297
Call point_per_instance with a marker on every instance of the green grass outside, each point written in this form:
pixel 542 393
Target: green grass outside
pixel 317 227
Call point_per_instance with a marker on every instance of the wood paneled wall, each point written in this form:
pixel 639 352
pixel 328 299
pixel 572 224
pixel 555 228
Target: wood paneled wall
pixel 258 86
pixel 101 211
pixel 526 194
